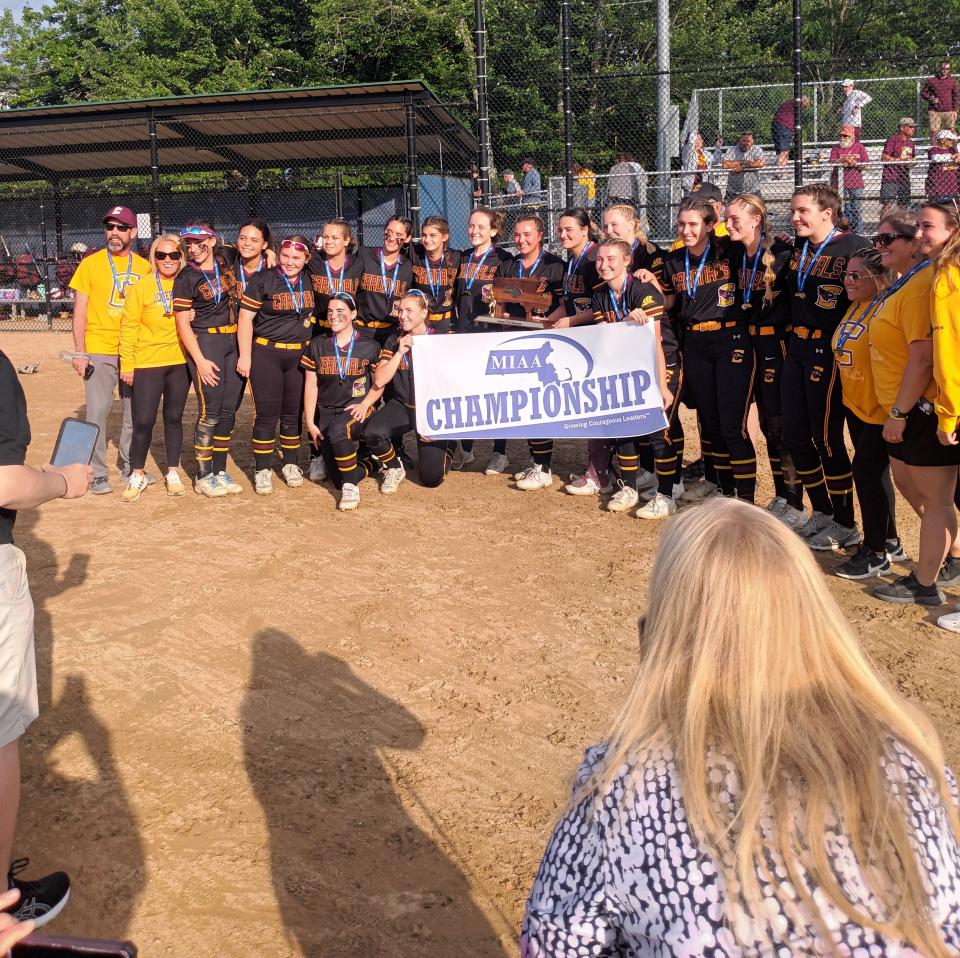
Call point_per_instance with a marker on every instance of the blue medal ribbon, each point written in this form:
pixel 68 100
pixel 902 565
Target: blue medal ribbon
pixel 297 303
pixel 167 303
pixel 572 266
pixel 216 290
pixel 243 272
pixel 619 304
pixel 802 275
pixel 343 266
pixel 533 268
pixel 692 290
pixel 471 277
pixel 434 288
pixel 383 274
pixel 117 285
pixel 748 291
pixel 343 370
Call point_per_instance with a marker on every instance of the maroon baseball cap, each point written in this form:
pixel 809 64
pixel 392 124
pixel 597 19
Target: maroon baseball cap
pixel 121 215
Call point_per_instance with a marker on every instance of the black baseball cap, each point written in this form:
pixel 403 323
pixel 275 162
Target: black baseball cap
pixel 708 191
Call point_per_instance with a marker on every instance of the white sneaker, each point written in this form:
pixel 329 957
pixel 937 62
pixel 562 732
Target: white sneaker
pixel 461 459
pixel 624 499
pixel 536 477
pixel 834 536
pixel 497 465
pixel 587 485
pixel 659 507
pixel 813 525
pixel 646 481
pixel 263 482
pixel 135 485
pixel 174 484
pixel 226 480
pixel 292 475
pixel 776 506
pixel 392 479
pixel 318 469
pixel 951 621
pixel 700 490
pixel 349 497
pixel 210 487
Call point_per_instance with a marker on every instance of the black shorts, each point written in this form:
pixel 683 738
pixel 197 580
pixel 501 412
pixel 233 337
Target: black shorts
pixel 782 137
pixel 920 446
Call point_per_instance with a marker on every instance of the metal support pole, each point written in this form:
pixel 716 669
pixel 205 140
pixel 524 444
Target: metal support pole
pixel 661 210
pixel 155 223
pixel 797 94
pixel 567 109
pixel 44 270
pixel 483 115
pixel 58 216
pixel 413 180
pixel 360 216
pixel 338 193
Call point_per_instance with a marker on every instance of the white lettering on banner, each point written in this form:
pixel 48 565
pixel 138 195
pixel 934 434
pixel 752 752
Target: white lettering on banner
pixel 591 382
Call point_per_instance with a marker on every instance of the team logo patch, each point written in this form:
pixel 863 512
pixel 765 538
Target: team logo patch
pixel 737 356
pixel 582 303
pixel 828 295
pixel 648 301
pixel 359 388
pixel 816 374
pixel 769 376
pixel 726 294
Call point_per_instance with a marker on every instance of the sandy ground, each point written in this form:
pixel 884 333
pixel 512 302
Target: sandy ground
pixel 272 729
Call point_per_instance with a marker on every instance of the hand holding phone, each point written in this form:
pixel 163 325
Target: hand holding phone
pixel 77 476
pixel 75 443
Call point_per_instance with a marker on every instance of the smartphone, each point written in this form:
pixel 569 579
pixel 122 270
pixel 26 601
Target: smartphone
pixel 56 946
pixel 75 443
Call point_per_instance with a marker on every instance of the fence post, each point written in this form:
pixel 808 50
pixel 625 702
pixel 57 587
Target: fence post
pixel 567 110
pixel 359 216
pixel 58 216
pixel 483 116
pixel 338 194
pixel 413 183
pixel 662 186
pixel 45 254
pixel 919 105
pixel 720 112
pixel 816 113
pixel 797 94
pixel 154 175
pixel 253 194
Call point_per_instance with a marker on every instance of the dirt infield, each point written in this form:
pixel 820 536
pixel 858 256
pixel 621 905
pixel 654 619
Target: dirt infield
pixel 272 729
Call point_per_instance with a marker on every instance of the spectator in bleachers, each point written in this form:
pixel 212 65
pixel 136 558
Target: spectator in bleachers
pixel 624 184
pixel 531 188
pixel 851 110
pixel 744 160
pixel 851 156
pixel 940 92
pixel 511 188
pixel 697 162
pixel 585 187
pixel 781 130
pixel 899 154
pixel 942 180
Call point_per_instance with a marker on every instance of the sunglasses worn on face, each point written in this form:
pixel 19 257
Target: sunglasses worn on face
pixel 855 277
pixel 175 255
pixel 294 244
pixel 888 239
pixel 117 227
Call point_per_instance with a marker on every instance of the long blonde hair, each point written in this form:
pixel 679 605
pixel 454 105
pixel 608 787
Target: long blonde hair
pixel 744 654
pixel 755 206
pixel 629 213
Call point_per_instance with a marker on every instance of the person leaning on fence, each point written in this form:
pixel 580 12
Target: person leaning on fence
pixel 763 790
pixel 585 187
pixel 899 155
pixel 623 182
pixel 851 109
pixel 744 160
pixel 943 181
pixel 850 156
pixel 782 128
pixel 100 287
pixel 941 95
pixel 531 188
pixel 696 162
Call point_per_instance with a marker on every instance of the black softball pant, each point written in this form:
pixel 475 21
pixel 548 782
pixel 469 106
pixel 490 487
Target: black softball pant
pixel 276 381
pixel 771 350
pixel 871 479
pixel 218 404
pixel 173 384
pixel 813 416
pixel 719 369
pixel 394 419
pixel 341 437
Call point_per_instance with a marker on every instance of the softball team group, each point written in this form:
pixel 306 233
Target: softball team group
pixel 821 330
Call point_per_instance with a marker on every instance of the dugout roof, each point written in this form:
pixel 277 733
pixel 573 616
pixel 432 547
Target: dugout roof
pixel 346 126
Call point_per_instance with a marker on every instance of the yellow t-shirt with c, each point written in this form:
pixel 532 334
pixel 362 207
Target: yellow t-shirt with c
pixel 851 347
pixel 105 296
pixel 148 337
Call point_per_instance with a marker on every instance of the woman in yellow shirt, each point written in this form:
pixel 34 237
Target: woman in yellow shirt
pixel 901 359
pixel 866 281
pixel 152 361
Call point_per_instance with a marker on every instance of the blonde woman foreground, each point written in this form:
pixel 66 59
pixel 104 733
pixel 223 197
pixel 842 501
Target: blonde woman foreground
pixel 763 791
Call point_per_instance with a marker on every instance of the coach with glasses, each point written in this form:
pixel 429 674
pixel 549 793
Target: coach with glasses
pixel 100 287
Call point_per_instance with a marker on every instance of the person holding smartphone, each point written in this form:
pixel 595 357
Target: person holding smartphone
pixel 22 487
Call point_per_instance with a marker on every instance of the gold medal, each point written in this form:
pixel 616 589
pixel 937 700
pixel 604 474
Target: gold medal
pixel 168 315
pixel 746 306
pixel 801 295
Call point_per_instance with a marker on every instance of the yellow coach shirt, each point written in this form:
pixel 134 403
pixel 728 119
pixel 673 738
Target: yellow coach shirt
pixel 851 347
pixel 105 296
pixel 945 303
pixel 148 337
pixel 903 319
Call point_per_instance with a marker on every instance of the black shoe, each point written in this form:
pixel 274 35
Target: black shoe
pixel 907 591
pixel 41 900
pixel 864 564
pixel 692 471
pixel 949 573
pixel 895 551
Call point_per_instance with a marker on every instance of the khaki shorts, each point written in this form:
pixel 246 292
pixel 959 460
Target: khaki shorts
pixel 18 667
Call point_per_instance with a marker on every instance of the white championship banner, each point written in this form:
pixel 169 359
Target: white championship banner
pixel 587 383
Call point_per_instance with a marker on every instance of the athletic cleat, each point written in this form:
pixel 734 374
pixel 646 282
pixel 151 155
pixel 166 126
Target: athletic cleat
pixel 949 573
pixel 834 536
pixel 135 486
pixel 692 471
pixel 792 518
pixel 646 481
pixel 100 486
pixel 318 469
pixel 698 491
pixel 226 480
pixel 776 506
pixel 906 590
pixel 895 552
pixel 813 525
pixel 496 465
pixel 210 486
pixel 392 479
pixel 535 477
pixel 462 459
pixel 624 499
pixel 588 484
pixel 41 900
pixel 659 507
pixel 349 497
pixel 864 564
pixel 951 621
pixel 292 475
pixel 263 482
pixel 174 484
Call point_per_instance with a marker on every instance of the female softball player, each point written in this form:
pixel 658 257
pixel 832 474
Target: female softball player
pixel 810 385
pixel 335 269
pixel 394 372
pixel 385 275
pixel 764 298
pixel 339 393
pixel 252 252
pixel 276 316
pixel 578 237
pixel 204 303
pixel 620 222
pixel 435 270
pixel 718 359
pixel 533 260
pixel 153 364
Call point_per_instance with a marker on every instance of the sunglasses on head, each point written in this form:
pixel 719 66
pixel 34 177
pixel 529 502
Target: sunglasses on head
pixel 346 297
pixel 887 239
pixel 119 227
pixel 197 233
pixel 295 244
pixel 175 255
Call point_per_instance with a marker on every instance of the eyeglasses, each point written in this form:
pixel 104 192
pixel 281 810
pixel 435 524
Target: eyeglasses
pixel 175 255
pixel 117 227
pixel 855 277
pixel 888 239
pixel 295 244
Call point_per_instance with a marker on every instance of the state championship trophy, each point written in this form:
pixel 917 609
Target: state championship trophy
pixel 531 294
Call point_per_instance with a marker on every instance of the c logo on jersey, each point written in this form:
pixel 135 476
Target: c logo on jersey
pixel 582 303
pixel 769 376
pixel 737 356
pixel 648 301
pixel 726 294
pixel 816 374
pixel 359 388
pixel 828 295
pixel 849 332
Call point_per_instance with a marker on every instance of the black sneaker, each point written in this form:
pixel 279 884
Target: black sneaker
pixel 949 573
pixel 41 900
pixel 895 551
pixel 907 591
pixel 864 564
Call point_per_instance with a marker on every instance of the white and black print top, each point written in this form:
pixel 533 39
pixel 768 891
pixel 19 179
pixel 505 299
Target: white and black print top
pixel 631 882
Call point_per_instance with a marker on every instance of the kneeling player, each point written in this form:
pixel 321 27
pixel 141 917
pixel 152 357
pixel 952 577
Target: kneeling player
pixel 398 415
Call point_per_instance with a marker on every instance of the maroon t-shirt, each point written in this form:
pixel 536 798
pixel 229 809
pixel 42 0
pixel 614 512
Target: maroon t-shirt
pixel 902 148
pixel 942 177
pixel 944 91
pixel 852 177
pixel 784 115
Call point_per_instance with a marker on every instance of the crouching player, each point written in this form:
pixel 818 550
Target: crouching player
pixel 394 372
